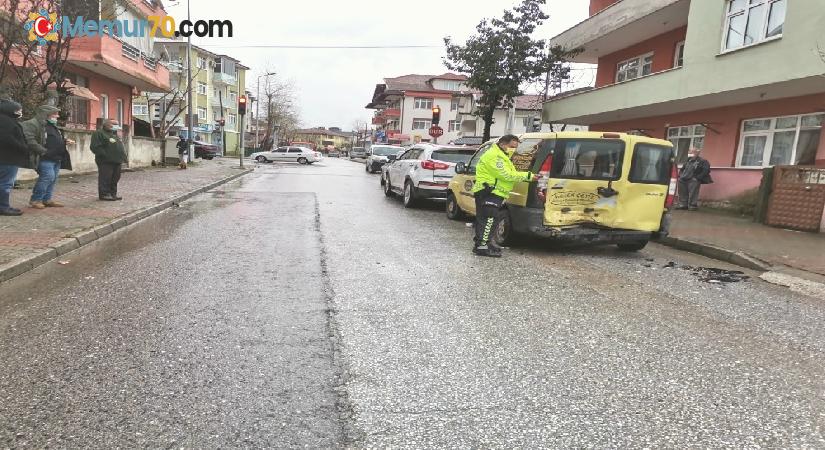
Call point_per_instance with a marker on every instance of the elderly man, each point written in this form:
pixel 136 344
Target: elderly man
pixel 693 175
pixel 110 155
pixel 42 132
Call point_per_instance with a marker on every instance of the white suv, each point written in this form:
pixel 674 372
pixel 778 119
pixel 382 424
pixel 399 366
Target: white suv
pixel 423 172
pixel 301 155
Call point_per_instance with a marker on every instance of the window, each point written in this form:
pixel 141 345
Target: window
pixel 685 138
pixel 295 150
pixel 588 159
pixel 201 88
pixel 454 125
pixel 233 97
pixel 423 103
pixel 679 57
pixel 201 63
pixel 780 141
pixel 104 106
pixel 119 110
pixel 421 124
pixel 651 164
pixel 634 68
pixel 451 85
pixel 471 167
pixel 455 104
pixel 453 155
pixel 231 119
pixel 749 22
pixel 281 150
pixel 140 110
pixel 202 114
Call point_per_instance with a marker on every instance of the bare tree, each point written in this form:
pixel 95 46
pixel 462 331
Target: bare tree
pixel 279 111
pixel 360 127
pixel 28 69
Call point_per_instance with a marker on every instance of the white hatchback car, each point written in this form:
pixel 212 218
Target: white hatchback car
pixel 302 155
pixel 423 172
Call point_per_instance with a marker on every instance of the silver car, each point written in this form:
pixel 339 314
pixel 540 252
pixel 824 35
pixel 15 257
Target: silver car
pixel 358 152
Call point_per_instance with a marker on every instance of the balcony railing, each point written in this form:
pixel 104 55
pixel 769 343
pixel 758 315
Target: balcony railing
pixel 149 62
pixel 130 52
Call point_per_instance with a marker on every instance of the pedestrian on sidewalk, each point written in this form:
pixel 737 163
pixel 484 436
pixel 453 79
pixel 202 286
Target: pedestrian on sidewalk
pixel 110 155
pixel 14 153
pixel 495 177
pixel 693 175
pixel 42 132
pixel 183 151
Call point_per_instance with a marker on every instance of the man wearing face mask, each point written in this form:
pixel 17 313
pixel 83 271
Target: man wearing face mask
pixel 495 177
pixel 42 132
pixel 693 175
pixel 110 155
pixel 14 153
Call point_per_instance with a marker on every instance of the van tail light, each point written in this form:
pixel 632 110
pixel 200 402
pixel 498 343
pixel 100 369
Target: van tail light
pixel 434 165
pixel 671 190
pixel 544 171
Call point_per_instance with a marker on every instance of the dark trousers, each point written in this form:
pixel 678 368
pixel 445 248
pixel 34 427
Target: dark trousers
pixel 689 193
pixel 108 175
pixel 488 214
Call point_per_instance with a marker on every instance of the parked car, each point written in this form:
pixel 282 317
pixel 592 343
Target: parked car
pixel 300 155
pixel 600 188
pixel 205 150
pixel 334 153
pixel 358 152
pixel 423 172
pixel 378 155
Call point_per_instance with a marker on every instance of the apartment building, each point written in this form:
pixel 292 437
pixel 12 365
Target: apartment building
pixel 741 79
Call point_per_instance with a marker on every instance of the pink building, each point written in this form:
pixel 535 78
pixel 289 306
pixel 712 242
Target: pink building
pixel 741 79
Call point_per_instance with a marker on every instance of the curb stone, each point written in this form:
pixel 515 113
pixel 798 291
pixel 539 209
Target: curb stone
pixel 22 265
pixel 711 251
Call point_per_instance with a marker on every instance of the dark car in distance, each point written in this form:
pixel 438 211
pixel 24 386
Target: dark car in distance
pixel 205 150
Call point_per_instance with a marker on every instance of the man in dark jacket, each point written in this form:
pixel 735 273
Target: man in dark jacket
pixel 14 153
pixel 183 151
pixel 109 157
pixel 42 131
pixel 693 175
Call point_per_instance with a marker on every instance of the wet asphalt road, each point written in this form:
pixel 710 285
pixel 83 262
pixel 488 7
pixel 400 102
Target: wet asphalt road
pixel 298 307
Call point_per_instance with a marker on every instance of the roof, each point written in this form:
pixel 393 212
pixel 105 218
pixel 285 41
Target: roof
pixel 450 76
pixel 530 102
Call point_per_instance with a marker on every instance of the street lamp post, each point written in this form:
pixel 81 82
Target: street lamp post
pixel 258 108
pixel 190 127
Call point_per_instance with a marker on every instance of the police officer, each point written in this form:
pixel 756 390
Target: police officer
pixel 495 177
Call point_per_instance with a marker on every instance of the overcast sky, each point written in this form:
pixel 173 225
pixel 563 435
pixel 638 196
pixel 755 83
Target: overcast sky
pixel 334 85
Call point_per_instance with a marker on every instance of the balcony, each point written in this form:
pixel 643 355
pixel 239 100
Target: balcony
pixel 378 120
pixel 223 78
pixel 119 61
pixel 622 25
pixel 392 113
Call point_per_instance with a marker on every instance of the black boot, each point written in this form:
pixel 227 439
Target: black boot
pixel 6 197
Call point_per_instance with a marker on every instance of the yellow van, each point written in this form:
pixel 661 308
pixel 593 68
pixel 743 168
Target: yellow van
pixel 599 188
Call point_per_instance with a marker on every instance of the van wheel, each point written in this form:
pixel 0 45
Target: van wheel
pixel 632 246
pixel 454 212
pixel 504 234
pixel 410 199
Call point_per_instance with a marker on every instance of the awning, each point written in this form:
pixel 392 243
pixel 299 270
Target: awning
pixel 76 91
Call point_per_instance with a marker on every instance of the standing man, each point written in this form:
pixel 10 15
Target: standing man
pixel 495 177
pixel 183 152
pixel 693 175
pixel 42 132
pixel 14 153
pixel 110 155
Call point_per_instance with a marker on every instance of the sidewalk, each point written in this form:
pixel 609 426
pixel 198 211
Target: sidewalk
pixel 51 231
pixel 775 246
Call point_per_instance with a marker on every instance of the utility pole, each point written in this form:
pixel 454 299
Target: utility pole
pixel 222 122
pixel 258 108
pixel 190 137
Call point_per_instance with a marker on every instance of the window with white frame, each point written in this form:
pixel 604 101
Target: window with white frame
pixel 201 63
pixel 634 68
pixel 231 119
pixel 789 140
pixel 454 125
pixel 451 85
pixel 423 103
pixel 455 104
pixel 421 124
pixel 104 106
pixel 684 138
pixel 749 22
pixel 233 97
pixel 201 88
pixel 119 110
pixel 202 114
pixel 679 57
pixel 140 110
pixel 526 121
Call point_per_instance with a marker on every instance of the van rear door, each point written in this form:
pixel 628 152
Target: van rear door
pixel 642 202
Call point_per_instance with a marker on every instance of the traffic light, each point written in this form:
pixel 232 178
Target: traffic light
pixel 242 105
pixel 536 123
pixel 436 115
